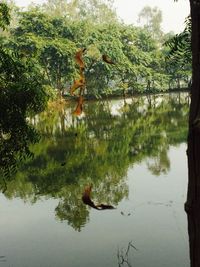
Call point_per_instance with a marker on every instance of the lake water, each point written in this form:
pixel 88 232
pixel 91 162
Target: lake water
pixel 134 155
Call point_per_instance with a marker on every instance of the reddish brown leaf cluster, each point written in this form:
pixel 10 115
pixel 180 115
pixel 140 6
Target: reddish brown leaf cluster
pixel 87 200
pixel 79 107
pixel 79 58
pixel 77 84
pixel 80 82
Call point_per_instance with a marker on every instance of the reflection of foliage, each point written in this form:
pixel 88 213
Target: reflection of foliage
pixel 72 209
pixel 98 149
pixel 161 163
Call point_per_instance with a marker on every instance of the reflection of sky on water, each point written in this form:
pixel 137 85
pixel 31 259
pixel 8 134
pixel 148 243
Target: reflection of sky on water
pixel 117 106
pixel 31 237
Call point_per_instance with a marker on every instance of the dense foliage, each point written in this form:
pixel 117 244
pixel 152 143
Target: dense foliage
pixel 21 93
pixel 179 55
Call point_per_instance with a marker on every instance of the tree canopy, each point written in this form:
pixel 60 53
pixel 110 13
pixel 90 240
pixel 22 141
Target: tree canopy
pixel 51 33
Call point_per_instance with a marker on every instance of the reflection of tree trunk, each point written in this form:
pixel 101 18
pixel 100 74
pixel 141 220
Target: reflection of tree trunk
pixel 179 98
pixel 62 121
pixel 194 238
pixel 188 99
pixel 193 198
pixel 149 100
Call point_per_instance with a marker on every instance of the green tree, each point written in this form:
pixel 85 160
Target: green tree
pixel 53 41
pixel 180 44
pixel 151 18
pixel 40 37
pixel 21 93
pixel 4 16
pixel 179 57
pixel 76 10
pixel 57 60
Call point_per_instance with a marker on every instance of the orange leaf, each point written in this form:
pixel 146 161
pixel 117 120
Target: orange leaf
pixel 78 58
pixel 79 108
pixel 88 201
pixel 77 83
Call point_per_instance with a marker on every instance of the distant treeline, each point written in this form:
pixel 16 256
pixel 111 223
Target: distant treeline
pixel 47 37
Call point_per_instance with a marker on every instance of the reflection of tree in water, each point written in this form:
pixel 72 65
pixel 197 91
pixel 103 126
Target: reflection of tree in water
pixel 71 208
pixel 161 163
pixel 98 149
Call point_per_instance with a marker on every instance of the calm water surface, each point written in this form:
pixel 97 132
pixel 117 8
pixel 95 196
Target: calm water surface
pixel 134 155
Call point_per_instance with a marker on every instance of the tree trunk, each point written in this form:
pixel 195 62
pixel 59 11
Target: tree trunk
pixel 194 237
pixel 193 197
pixel 178 83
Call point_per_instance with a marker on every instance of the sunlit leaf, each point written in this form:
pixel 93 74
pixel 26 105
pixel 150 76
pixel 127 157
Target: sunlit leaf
pixel 93 52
